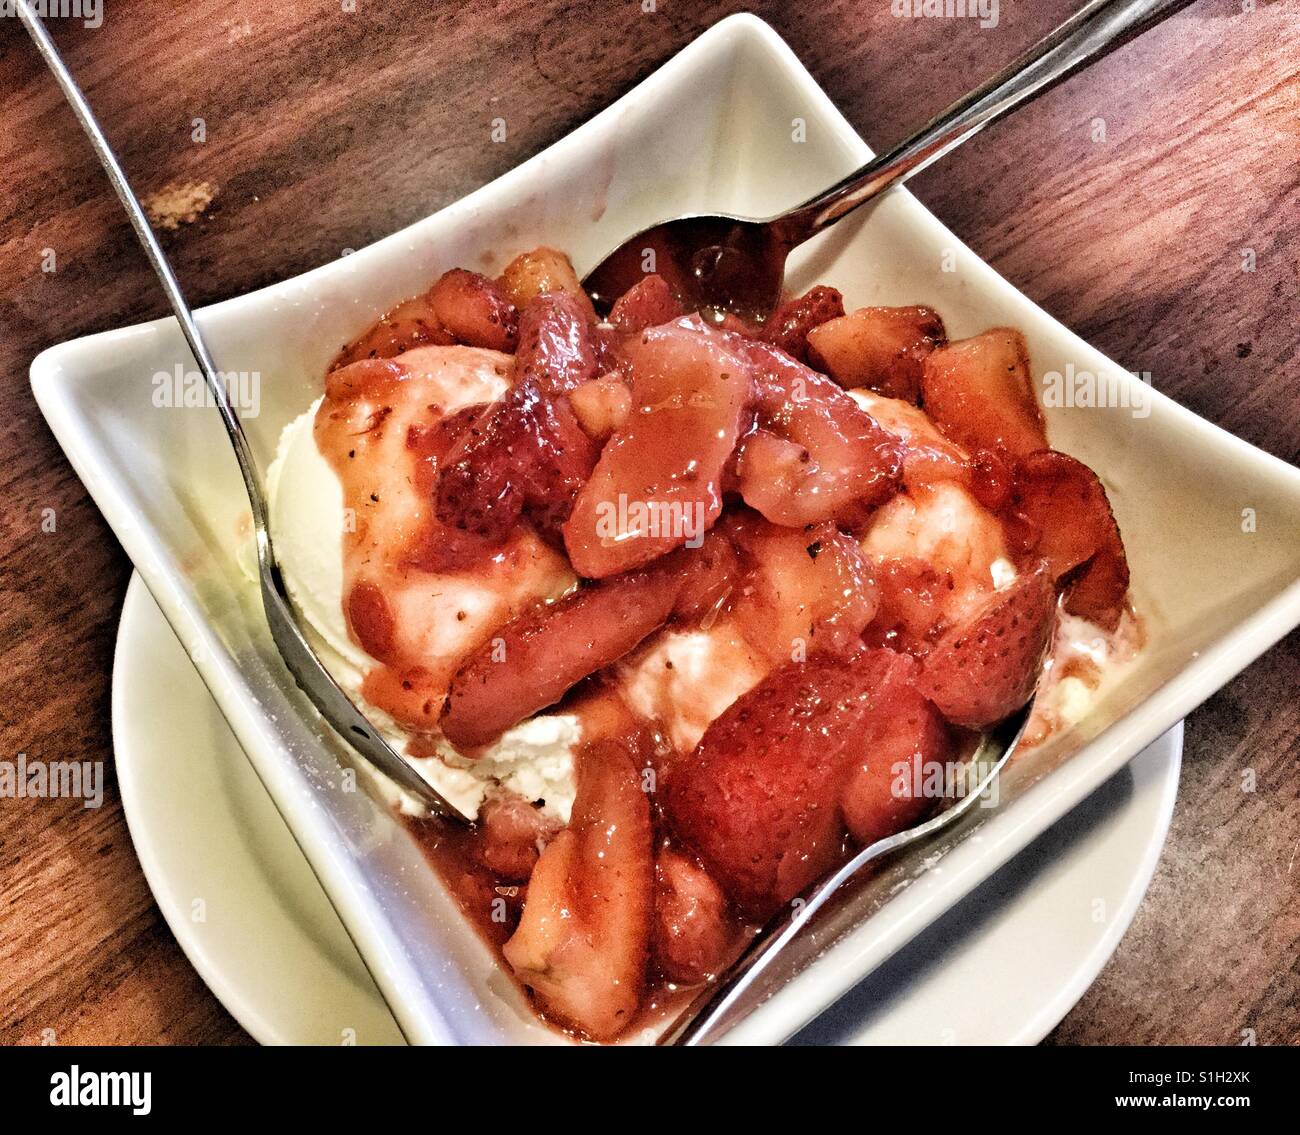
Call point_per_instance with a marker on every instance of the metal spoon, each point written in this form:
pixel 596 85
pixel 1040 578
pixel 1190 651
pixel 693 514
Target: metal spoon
pixel 723 263
pixel 307 670
pixel 721 1006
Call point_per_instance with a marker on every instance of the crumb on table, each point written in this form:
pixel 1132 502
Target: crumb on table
pixel 178 203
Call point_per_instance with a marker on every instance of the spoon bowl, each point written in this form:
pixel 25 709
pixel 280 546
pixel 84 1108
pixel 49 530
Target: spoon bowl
pixel 720 264
pixel 716 264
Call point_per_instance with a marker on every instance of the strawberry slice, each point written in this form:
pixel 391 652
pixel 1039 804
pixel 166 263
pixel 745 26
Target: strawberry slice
pixel 562 462
pixel 478 489
pixel 539 271
pixel 658 483
pixel 583 941
pixel 512 833
pixel 1099 592
pixel 1065 505
pixel 556 350
pixel 693 936
pixel 987 667
pixel 913 593
pixel 646 304
pixel 807 591
pixel 979 393
pixel 902 746
pixel 525 453
pixel 411 324
pixel 816 451
pixel 790 325
pixel 536 659
pixel 759 798
pixel 880 348
pixel 475 310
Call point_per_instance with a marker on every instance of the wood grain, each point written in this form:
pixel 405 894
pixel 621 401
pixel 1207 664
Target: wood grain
pixel 327 129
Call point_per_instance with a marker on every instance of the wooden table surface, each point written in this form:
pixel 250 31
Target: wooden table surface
pixel 328 128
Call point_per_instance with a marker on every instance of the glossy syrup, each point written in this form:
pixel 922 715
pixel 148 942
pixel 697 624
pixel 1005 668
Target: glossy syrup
pixel 493 906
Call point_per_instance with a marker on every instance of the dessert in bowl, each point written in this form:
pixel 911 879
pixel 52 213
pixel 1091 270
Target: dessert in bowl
pixel 680 610
pixel 1213 594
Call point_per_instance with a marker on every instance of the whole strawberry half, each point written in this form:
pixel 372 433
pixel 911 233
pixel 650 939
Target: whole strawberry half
pixel 759 799
pixel 980 393
pixel 1065 505
pixel 646 304
pixel 900 758
pixel 986 667
pixel 789 325
pixel 526 453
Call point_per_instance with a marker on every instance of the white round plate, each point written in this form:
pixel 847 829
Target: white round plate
pixel 1003 967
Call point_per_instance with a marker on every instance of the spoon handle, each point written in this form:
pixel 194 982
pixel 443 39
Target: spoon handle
pixel 721 1006
pixel 307 669
pixel 148 242
pixel 1092 32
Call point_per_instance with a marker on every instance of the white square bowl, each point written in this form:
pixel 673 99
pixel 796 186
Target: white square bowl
pixel 733 123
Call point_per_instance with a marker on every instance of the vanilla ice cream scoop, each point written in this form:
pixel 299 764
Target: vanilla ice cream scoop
pixel 307 519
pixel 440 613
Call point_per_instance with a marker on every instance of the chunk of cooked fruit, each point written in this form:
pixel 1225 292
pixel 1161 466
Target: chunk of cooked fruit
pixel 370 620
pixel 759 799
pixel 1067 510
pixel 892 783
pixel 475 310
pixel 914 596
pixel 881 348
pixel 692 937
pixel 543 270
pixel 790 325
pixel 711 575
pixel 413 323
pixel 990 477
pixel 978 391
pixel 583 941
pixel 658 483
pixel 602 406
pixel 985 668
pixel 1099 591
pixel 806 590
pixel 524 453
pixel 512 834
pixel 816 452
pixel 536 659
pixel 646 304
pixel 942 526
pixel 477 490
pixel 552 481
pixel 556 351
pixel 928 456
